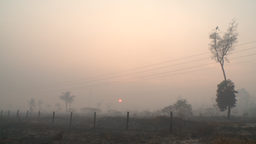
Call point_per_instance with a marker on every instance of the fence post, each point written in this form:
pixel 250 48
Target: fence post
pixel 127 121
pixel 70 118
pixel 1 112
pixel 94 122
pixel 8 113
pixel 171 122
pixel 17 114
pixel 39 114
pixel 27 115
pixel 53 115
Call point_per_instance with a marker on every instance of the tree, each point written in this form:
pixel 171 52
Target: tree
pixel 39 104
pixel 90 111
pixel 70 100
pixel 221 47
pixel 167 110
pixel 226 97
pixel 67 98
pixel 32 104
pixel 182 108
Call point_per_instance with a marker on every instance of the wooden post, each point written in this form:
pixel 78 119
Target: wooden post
pixel 171 122
pixel 17 114
pixel 1 112
pixel 94 122
pixel 127 121
pixel 70 118
pixel 39 114
pixel 53 115
pixel 8 113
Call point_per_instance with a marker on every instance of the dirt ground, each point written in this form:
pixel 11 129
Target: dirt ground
pixel 112 130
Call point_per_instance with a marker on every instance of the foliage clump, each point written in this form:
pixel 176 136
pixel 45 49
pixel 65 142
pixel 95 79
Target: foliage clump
pixel 226 95
pixel 181 108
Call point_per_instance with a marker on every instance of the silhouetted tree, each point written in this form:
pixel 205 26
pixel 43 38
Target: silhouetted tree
pixel 32 104
pixel 183 108
pixel 70 101
pixel 180 108
pixel 39 104
pixel 67 98
pixel 226 97
pixel 90 111
pixel 168 109
pixel 220 47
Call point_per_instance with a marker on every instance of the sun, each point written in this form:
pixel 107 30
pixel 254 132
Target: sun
pixel 120 100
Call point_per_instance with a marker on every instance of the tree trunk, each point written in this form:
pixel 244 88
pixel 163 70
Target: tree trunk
pixel 30 111
pixel 223 71
pixel 66 107
pixel 229 111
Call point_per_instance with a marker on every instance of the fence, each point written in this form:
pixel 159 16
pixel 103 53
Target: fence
pixel 120 122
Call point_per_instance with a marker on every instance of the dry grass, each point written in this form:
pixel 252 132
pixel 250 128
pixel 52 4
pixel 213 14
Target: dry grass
pixel 234 140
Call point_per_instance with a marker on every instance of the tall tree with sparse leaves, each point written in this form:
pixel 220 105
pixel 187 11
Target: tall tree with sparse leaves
pixel 67 98
pixel 221 47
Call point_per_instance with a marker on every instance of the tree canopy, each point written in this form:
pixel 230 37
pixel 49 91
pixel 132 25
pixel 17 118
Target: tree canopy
pixel 226 95
pixel 181 108
pixel 67 98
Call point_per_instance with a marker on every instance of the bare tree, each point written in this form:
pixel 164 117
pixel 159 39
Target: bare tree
pixel 221 47
pixel 67 98
pixel 32 104
pixel 39 104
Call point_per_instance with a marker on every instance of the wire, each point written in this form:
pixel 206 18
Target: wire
pixel 145 66
pixel 93 80
pixel 156 69
pixel 149 76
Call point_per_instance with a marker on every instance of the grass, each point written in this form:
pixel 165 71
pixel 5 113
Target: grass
pixel 234 140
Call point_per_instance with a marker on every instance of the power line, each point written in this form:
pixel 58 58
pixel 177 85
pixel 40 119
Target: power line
pixel 154 69
pixel 191 67
pixel 142 71
pixel 151 70
pixel 158 74
pixel 138 78
pixel 147 66
pixel 246 43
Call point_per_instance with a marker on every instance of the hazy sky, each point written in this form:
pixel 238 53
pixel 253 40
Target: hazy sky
pixel 49 47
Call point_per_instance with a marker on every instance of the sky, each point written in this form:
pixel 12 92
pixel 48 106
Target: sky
pixel 148 53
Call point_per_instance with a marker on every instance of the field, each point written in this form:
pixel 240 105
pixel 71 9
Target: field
pixel 150 130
